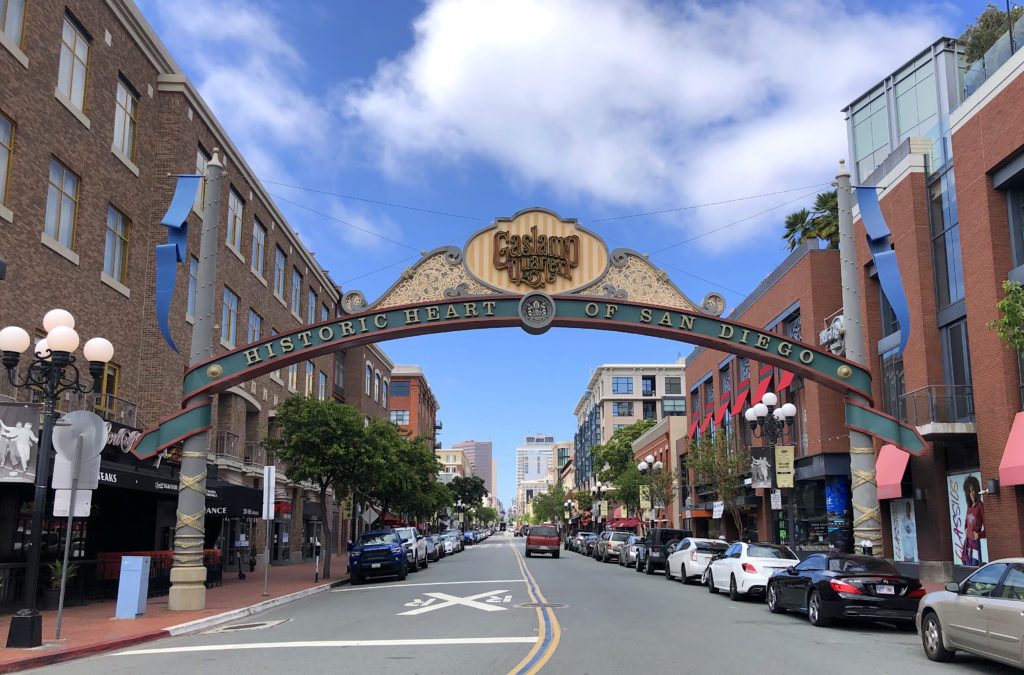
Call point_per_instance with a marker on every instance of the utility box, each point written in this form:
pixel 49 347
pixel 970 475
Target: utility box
pixel 133 587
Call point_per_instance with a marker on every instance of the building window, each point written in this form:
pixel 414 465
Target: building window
pixel 369 378
pixel 228 316
pixel 917 103
pixel 647 385
pixel 400 416
pixel 1015 207
pixel 400 388
pixel 126 114
pixel 277 373
pixel 622 385
pixel 673 385
pixel 309 377
pixel 384 393
pixel 794 327
pixel 74 63
pixel 115 248
pixel 108 387
pixel 622 409
pixel 293 377
pixel 234 229
pixel 202 159
pixel 280 262
pixel 12 17
pixel 193 285
pixel 890 324
pixel 724 381
pixel 339 371
pixel 322 389
pixel 6 152
pixel 956 358
pixel 870 132
pixel 949 272
pixel 674 407
pixel 892 383
pixel 255 326
pixel 744 369
pixel 62 204
pixel 296 292
pixel 311 306
pixel 259 247
pixel 324 313
pixel 650 410
pixel 376 386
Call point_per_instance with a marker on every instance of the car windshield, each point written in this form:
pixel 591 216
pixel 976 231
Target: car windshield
pixel 711 546
pixel 768 551
pixel 669 535
pixel 861 565
pixel 543 532
pixel 406 535
pixel 620 536
pixel 378 538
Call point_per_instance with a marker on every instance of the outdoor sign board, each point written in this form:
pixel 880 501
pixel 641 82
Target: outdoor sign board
pixel 761 467
pixel 904 530
pixel 784 466
pixel 967 518
pixel 19 442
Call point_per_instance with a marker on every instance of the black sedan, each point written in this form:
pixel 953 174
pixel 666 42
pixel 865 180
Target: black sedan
pixel 843 586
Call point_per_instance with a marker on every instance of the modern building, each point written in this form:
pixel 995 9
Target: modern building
pixel 563 454
pixel 455 461
pixel 534 466
pixel 618 395
pixel 481 461
pixel 949 163
pixel 413 405
pixel 95 117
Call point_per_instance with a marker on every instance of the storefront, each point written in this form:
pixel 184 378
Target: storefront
pixel 312 528
pixel 231 514
pixel 818 508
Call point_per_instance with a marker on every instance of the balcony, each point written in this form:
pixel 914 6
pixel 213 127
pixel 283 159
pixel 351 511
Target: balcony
pixel 940 410
pixel 438 426
pixel 109 407
pixel 228 450
pixel 978 72
pixel 254 456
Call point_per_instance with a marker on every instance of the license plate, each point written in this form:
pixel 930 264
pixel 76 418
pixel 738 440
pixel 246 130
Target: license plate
pixel 375 566
pixel 885 590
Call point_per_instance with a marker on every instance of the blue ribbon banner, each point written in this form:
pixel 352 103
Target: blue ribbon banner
pixel 885 259
pixel 173 252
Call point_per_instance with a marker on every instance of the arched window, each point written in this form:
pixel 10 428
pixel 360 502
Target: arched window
pixel 369 376
pixel 384 393
pixel 376 386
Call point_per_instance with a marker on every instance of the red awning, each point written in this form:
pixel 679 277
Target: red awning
pixel 624 522
pixel 707 421
pixel 785 379
pixel 1011 466
pixel 889 469
pixel 737 406
pixel 762 388
pixel 721 413
pixel 694 428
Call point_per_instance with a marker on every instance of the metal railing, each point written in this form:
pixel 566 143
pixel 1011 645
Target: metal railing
pixel 229 446
pixel 999 53
pixel 109 407
pixel 255 455
pixel 938 404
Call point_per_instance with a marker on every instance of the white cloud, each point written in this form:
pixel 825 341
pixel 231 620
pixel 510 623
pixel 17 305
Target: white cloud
pixel 633 105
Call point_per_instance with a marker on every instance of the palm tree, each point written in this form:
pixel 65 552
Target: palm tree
pixel 820 223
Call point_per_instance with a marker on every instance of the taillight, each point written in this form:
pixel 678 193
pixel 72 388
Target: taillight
pixel 693 555
pixel 843 587
pixel 747 567
pixel 917 593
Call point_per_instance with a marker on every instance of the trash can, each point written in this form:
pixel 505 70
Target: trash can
pixel 132 587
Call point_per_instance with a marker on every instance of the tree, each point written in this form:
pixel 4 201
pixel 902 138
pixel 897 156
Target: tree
pixel 616 456
pixel 720 461
pixel 820 223
pixel 661 483
pixel 1010 324
pixel 470 490
pixel 584 500
pixel 549 507
pixel 323 442
pixel 486 514
pixel 986 30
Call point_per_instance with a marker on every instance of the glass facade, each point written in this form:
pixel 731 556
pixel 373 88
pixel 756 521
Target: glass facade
pixel 945 225
pixel 870 132
pixel 917 103
pixel 1015 208
pixel 890 324
pixel 892 383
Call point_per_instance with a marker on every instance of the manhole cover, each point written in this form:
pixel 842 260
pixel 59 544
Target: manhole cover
pixel 258 625
pixel 552 605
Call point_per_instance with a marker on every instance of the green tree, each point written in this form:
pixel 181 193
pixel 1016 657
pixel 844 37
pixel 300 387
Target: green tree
pixel 1010 324
pixel 549 507
pixel 661 484
pixel 616 456
pixel 323 442
pixel 486 515
pixel 470 490
pixel 723 463
pixel 822 222
pixel 986 30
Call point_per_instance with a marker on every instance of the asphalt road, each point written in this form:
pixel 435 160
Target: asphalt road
pixel 472 613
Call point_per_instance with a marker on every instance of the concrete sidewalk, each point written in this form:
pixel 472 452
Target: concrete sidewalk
pixel 91 629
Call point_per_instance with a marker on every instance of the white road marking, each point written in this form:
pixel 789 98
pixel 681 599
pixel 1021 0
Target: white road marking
pixel 424 606
pixel 428 583
pixel 335 643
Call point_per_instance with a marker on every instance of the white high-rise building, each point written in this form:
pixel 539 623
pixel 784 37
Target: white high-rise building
pixel 534 467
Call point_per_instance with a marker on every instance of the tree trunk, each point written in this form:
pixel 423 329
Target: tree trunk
pixel 737 520
pixel 325 545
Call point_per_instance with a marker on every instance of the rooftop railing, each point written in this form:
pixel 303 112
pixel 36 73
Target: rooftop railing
pixel 978 72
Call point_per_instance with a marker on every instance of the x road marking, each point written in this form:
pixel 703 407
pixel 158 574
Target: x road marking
pixel 423 606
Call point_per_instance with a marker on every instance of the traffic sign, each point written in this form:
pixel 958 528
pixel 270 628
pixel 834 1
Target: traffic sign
pixel 92 430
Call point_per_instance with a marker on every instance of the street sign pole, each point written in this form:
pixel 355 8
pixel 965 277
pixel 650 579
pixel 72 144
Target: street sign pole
pixel 269 485
pixel 67 540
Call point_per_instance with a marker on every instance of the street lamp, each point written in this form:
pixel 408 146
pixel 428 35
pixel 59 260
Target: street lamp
pixel 51 372
pixel 772 424
pixel 597 506
pixel 646 469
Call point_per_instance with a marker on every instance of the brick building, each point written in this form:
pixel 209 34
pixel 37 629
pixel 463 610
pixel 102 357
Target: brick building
pixel 413 405
pixel 660 442
pixel 800 296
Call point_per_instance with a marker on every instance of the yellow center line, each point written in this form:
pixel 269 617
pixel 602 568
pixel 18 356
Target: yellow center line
pixel 549 646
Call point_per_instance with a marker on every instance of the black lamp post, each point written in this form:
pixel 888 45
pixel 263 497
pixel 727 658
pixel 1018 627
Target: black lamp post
pixel 646 468
pixel 51 372
pixel 772 424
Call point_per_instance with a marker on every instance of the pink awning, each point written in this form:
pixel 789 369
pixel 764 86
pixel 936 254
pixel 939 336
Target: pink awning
pixel 694 428
pixel 741 398
pixel 762 388
pixel 721 413
pixel 785 379
pixel 1011 466
pixel 889 469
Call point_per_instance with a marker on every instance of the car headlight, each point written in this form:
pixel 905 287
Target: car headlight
pixel 396 549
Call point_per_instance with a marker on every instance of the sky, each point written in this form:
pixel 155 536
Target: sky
pixel 387 129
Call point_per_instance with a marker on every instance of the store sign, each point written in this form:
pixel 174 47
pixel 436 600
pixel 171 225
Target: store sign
pixel 904 530
pixel 784 466
pixel 776 500
pixel 19 442
pixel 121 437
pixel 967 519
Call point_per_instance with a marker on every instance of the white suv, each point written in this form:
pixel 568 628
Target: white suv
pixel 415 545
pixel 691 557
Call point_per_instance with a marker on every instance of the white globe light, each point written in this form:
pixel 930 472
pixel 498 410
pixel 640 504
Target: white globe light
pixel 749 415
pixel 649 459
pixel 779 415
pixel 42 350
pixel 58 317
pixel 642 466
pixel 760 410
pixel 769 398
pixel 658 466
pixel 98 349
pixel 789 410
pixel 14 339
pixel 62 339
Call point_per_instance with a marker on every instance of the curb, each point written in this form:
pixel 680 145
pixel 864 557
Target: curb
pixel 180 629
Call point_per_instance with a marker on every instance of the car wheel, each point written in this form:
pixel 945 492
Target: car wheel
pixel 734 593
pixel 711 583
pixel 931 639
pixel 555 554
pixel 527 553
pixel 415 565
pixel 668 572
pixel 814 613
pixel 648 568
pixel 425 562
pixel 355 579
pixel 773 600
pixel 639 566
pixel 403 572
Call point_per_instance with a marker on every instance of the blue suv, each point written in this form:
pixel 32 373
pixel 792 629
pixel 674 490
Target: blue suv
pixel 377 553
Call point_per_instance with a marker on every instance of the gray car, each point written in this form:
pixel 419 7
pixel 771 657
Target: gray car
pixel 627 553
pixel 608 545
pixel 983 615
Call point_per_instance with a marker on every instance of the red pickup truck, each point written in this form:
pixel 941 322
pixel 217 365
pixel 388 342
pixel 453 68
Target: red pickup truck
pixel 543 539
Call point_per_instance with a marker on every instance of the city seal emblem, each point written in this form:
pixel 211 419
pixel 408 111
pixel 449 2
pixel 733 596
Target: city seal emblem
pixel 536 312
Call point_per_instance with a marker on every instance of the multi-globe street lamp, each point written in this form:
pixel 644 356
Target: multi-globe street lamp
pixel 51 372
pixel 773 424
pixel 646 469
pixel 598 493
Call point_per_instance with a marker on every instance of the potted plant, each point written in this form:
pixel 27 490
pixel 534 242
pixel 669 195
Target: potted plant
pixel 52 592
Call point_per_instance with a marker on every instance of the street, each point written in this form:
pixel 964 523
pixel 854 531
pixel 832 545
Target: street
pixel 473 612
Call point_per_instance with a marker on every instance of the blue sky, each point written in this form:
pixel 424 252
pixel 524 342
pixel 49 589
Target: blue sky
pixel 596 110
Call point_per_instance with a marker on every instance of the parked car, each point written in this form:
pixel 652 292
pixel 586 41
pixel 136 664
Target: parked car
pixel 840 585
pixel 655 552
pixel 447 543
pixel 377 553
pixel 627 554
pixel 608 545
pixel 744 568
pixel 543 539
pixel 587 545
pixel 456 536
pixel 577 540
pixel 983 615
pixel 435 547
pixel 691 557
pixel 518 532
pixel 469 537
pixel 415 547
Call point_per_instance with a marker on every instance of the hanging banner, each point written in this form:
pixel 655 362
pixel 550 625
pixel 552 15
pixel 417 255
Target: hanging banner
pixel 719 510
pixel 904 530
pixel 762 466
pixel 776 500
pixel 967 519
pixel 19 442
pixel 784 466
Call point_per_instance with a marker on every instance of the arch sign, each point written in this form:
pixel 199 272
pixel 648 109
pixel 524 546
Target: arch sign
pixel 534 270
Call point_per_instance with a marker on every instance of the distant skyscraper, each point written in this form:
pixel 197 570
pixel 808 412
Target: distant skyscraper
pixel 480 457
pixel 535 462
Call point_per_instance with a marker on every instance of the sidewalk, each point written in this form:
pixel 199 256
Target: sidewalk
pixel 91 628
